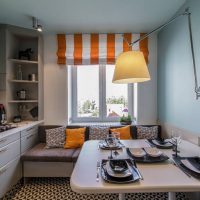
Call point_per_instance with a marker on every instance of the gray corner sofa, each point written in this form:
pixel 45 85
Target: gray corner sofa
pixel 56 162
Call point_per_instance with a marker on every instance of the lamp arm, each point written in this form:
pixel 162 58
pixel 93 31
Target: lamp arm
pixel 186 12
pixel 197 88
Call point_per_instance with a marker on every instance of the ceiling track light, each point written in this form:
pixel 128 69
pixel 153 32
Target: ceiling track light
pixel 36 25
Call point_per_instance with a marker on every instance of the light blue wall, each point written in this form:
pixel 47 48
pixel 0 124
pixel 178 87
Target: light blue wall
pixel 176 97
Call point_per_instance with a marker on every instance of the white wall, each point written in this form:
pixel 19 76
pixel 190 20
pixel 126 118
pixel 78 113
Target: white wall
pixel 55 86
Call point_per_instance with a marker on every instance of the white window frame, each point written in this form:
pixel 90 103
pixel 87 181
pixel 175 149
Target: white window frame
pixel 102 98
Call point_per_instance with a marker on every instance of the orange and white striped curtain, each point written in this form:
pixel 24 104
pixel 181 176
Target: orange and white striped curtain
pixel 82 49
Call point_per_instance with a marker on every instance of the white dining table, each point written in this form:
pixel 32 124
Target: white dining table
pixel 157 177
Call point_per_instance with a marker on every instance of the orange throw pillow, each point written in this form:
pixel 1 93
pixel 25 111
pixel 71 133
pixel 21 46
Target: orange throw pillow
pixel 74 138
pixel 125 132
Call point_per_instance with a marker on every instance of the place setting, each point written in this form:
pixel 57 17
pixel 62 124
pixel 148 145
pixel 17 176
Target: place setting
pixel 160 143
pixel 115 170
pixel 112 142
pixel 119 171
pixel 147 155
pixel 189 165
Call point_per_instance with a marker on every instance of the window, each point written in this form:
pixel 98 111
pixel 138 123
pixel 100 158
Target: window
pixel 95 97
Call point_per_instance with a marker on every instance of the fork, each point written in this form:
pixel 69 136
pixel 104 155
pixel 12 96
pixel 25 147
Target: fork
pixel 98 170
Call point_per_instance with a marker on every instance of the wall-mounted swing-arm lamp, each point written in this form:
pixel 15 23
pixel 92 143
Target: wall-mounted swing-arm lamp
pixel 131 66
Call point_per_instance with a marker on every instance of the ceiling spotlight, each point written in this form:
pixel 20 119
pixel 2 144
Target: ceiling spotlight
pixel 37 26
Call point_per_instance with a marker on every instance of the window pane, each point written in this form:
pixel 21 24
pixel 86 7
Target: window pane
pixel 88 90
pixel 116 95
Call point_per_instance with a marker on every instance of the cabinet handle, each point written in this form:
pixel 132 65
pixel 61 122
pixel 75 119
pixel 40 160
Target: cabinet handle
pixel 3 170
pixel 3 150
pixel 30 136
pixel 3 140
pixel 30 129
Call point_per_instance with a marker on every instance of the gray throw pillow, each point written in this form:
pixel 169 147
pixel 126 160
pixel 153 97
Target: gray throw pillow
pixel 144 132
pixel 98 132
pixel 55 138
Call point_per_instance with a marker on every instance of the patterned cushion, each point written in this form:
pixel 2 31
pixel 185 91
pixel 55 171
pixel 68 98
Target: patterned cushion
pixel 144 132
pixel 98 132
pixel 55 137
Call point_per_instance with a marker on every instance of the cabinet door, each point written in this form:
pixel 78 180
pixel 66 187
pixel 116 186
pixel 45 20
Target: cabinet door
pixel 11 138
pixel 10 174
pixel 9 152
pixel 28 141
pixel 28 131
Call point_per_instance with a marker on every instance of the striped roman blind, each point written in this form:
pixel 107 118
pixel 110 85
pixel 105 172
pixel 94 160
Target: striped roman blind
pixel 84 49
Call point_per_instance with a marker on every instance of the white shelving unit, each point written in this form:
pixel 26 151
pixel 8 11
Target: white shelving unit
pixel 19 39
pixel 23 61
pixel 23 81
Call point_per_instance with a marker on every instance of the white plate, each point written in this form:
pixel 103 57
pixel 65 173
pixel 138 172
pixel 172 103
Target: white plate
pixel 152 151
pixel 123 174
pixel 137 152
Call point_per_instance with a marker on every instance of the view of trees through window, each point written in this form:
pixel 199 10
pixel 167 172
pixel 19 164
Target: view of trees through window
pixel 91 90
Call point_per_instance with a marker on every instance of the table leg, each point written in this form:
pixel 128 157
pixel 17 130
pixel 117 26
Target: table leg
pixel 171 195
pixel 121 196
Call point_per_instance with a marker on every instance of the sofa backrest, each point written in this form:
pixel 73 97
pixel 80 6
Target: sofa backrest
pixel 42 131
pixel 133 129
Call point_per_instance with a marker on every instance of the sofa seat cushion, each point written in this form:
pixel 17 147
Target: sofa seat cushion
pixel 76 154
pixel 41 154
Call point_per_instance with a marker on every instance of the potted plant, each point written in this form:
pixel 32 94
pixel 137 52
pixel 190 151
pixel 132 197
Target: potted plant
pixel 126 120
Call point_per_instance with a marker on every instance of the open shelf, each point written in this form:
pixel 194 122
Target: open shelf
pixel 22 65
pixel 23 61
pixel 23 101
pixel 22 81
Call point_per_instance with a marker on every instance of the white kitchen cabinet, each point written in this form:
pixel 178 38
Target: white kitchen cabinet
pixel 10 174
pixel 29 138
pixel 10 166
pixel 9 152
pixel 13 144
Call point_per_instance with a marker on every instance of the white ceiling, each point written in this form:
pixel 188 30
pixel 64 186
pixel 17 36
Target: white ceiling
pixel 86 16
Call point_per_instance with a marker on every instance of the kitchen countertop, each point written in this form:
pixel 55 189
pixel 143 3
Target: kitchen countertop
pixel 20 127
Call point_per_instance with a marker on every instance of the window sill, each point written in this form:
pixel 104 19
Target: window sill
pixel 96 123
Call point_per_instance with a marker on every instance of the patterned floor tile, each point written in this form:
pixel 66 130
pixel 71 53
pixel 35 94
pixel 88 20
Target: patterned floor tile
pixel 59 189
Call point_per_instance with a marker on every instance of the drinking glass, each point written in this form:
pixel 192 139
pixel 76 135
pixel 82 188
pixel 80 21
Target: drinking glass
pixel 111 142
pixel 176 140
pixel 116 135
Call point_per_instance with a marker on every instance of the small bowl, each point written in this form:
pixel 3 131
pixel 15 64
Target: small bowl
pixel 118 166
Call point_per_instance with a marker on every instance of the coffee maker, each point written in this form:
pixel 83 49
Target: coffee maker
pixel 2 114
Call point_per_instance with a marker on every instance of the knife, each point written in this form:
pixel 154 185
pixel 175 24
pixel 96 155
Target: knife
pixel 136 169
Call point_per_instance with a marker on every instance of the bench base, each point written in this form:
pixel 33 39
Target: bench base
pixel 47 169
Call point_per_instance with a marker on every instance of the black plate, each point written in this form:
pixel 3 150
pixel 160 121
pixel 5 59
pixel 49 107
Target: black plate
pixel 159 146
pixel 195 161
pixel 147 158
pixel 181 165
pixel 135 177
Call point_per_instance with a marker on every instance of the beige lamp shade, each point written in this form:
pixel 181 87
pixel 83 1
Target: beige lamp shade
pixel 131 67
